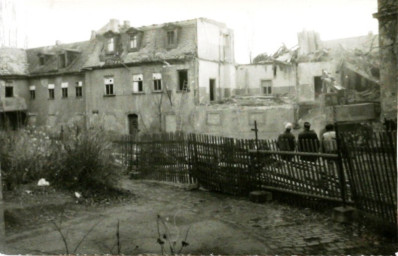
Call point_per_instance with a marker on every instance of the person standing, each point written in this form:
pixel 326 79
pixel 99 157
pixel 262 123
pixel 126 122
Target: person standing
pixel 329 143
pixel 308 142
pixel 287 142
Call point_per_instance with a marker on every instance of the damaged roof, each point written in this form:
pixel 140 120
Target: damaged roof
pixel 13 61
pixel 89 54
pixel 81 51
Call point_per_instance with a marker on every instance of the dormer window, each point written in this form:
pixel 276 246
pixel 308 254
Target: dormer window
pixel 62 60
pixel 110 44
pixel 170 38
pixel 135 36
pixel 41 60
pixel 171 35
pixel 133 42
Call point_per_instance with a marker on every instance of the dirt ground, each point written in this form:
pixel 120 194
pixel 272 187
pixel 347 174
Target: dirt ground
pixel 216 224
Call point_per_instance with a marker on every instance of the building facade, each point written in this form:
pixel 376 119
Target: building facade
pixel 124 79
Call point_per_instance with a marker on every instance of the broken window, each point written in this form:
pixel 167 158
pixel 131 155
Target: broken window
pixel 51 94
pixel 183 80
pixel 110 45
pixel 9 91
pixel 266 86
pixel 79 89
pixel 64 88
pixel 32 91
pixel 61 60
pixel 138 83
pixel 108 81
pixel 157 82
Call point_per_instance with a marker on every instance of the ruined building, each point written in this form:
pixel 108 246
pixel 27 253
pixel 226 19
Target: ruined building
pixel 124 79
pixel 388 36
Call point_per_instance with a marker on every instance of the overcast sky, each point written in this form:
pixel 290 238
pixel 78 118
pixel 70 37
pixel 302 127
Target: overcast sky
pixel 259 25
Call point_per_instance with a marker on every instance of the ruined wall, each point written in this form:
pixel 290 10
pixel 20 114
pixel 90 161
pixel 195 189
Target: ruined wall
pixel 59 111
pixel 237 121
pixel 388 41
pixel 248 79
pixel 152 108
pixel 306 73
pixel 215 60
pixel 212 45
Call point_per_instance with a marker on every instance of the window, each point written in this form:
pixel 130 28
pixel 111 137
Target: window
pixel 111 45
pixel 157 82
pixel 275 68
pixel 182 80
pixel 133 42
pixel 64 87
pixel 170 38
pixel 32 91
pixel 62 60
pixel 138 83
pixel 79 89
pixel 9 91
pixel 41 60
pixel 108 85
pixel 266 86
pixel 51 95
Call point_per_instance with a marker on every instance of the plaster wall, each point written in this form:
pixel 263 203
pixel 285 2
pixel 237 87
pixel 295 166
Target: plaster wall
pixel 152 108
pixel 248 79
pixel 237 121
pixel 306 73
pixel 210 42
pixel 58 111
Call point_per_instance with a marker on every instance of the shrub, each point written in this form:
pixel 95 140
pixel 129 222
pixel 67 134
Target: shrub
pixel 81 161
pixel 25 156
pixel 87 163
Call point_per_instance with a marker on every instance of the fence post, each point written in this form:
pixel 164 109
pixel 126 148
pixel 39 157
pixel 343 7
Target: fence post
pixel 340 166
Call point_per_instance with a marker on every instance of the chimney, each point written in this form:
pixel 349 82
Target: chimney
pixel 114 25
pixel 93 35
pixel 126 23
pixel 58 42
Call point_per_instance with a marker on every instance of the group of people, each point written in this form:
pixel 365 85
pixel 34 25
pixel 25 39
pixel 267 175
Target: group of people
pixel 308 141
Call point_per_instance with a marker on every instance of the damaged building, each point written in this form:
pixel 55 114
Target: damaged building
pixel 124 79
pixel 182 76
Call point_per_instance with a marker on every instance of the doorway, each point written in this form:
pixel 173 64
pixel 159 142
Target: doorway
pixel 212 89
pixel 133 124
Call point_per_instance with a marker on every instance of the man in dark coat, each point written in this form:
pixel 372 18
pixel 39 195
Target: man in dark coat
pixel 308 142
pixel 287 142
